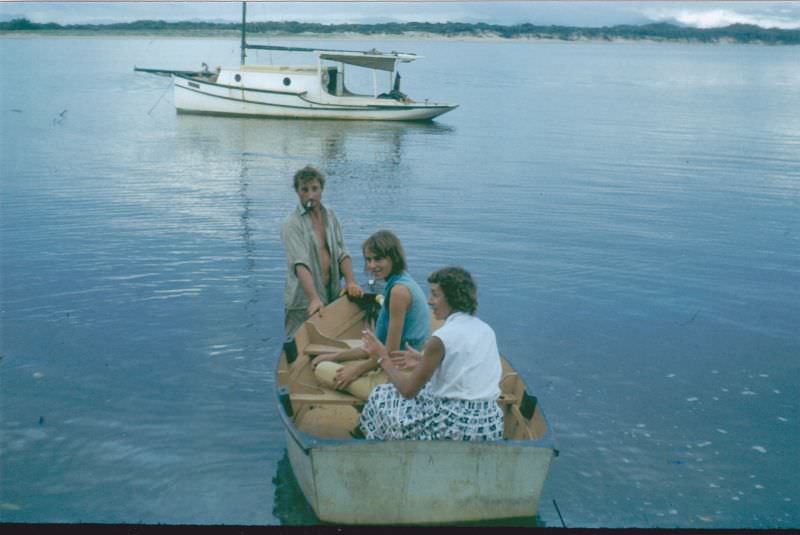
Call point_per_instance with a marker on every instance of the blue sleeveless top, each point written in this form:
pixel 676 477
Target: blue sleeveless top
pixel 417 324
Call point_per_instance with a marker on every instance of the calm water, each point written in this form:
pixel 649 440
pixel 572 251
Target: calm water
pixel 631 213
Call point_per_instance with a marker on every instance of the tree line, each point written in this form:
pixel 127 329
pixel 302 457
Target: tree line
pixel 737 33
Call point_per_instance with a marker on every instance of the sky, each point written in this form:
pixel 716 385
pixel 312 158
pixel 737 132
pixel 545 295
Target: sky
pixel 782 14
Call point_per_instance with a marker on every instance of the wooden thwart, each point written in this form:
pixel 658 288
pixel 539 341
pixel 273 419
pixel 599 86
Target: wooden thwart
pixel 320 343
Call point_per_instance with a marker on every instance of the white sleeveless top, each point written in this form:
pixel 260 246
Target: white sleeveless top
pixel 471 366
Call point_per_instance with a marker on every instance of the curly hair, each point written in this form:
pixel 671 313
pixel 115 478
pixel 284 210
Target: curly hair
pixel 307 174
pixel 384 243
pixel 458 287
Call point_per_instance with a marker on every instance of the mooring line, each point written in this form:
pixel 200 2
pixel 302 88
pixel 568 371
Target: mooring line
pixel 559 514
pixel 162 96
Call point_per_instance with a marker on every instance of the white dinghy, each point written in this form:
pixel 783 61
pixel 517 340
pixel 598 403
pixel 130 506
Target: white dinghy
pixel 351 481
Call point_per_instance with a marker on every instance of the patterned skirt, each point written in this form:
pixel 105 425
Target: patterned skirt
pixel 389 416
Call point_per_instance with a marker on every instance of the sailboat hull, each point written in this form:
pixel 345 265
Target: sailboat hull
pixel 201 96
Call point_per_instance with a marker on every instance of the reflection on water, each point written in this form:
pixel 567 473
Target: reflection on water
pixel 290 506
pixel 326 142
pixel 638 264
pixel 527 522
pixel 248 242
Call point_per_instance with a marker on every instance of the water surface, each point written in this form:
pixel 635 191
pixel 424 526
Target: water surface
pixel 630 211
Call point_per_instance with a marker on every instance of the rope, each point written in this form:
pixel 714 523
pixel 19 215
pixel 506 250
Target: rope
pixel 159 98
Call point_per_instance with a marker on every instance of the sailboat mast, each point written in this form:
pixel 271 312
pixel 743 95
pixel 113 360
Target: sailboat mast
pixel 244 43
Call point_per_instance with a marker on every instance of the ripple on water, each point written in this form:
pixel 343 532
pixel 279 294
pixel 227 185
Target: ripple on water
pixel 611 246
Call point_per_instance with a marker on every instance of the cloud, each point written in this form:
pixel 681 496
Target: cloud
pixel 716 18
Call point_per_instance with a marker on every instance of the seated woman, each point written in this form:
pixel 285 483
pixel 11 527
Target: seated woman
pixel 452 390
pixel 404 319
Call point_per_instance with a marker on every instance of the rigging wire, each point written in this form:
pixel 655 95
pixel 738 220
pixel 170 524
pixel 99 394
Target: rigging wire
pixel 162 96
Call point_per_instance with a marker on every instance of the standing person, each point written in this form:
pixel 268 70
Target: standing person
pixel 316 253
pixel 453 387
pixel 404 319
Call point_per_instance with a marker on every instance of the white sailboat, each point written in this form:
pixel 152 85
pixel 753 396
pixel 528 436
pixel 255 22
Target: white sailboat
pixel 316 91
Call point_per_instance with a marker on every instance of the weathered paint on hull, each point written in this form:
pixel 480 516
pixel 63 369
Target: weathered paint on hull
pixel 213 99
pixel 420 482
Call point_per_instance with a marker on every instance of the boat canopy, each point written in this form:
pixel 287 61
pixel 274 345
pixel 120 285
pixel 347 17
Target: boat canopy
pixel 370 60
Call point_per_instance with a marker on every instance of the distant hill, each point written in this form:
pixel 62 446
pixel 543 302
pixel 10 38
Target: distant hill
pixel 736 33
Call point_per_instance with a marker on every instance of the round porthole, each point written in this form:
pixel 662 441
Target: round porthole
pixel 287 81
pixel 238 77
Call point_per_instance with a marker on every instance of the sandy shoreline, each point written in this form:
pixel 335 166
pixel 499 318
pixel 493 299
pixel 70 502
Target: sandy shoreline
pixel 228 34
pixel 339 36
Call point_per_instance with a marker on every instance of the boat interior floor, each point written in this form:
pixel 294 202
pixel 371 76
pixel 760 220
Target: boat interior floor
pixel 329 421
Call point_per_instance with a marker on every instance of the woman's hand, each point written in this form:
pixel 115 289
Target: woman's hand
pixel 406 360
pixel 373 346
pixel 345 375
